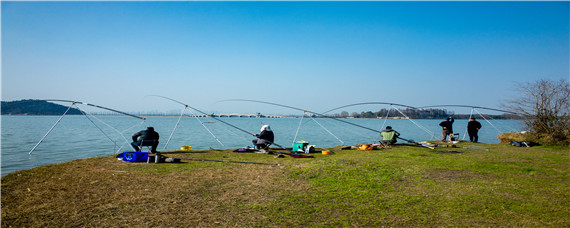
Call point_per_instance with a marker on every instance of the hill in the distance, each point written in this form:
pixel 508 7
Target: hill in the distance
pixel 35 107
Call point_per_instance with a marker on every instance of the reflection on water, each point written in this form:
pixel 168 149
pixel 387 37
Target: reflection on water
pixel 78 137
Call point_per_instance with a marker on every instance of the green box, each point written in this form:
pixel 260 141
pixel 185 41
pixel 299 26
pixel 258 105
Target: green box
pixel 300 145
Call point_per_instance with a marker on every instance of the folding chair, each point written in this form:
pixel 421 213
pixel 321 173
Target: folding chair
pixel 146 143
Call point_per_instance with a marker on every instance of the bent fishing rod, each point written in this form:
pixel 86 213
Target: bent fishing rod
pixel 97 106
pixel 69 108
pixel 367 103
pixel 229 124
pixel 471 106
pixel 414 142
pixel 227 161
pixel 304 110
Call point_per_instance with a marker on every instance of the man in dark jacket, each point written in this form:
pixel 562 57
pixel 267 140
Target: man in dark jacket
pixel 265 138
pixel 447 128
pixel 147 137
pixel 472 129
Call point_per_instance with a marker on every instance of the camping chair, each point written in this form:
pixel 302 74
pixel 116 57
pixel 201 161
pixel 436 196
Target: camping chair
pixel 146 143
pixel 263 148
pixel 385 144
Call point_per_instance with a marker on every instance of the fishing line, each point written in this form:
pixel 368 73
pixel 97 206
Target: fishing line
pixel 342 143
pixel 384 124
pixel 488 122
pixel 300 122
pixel 351 130
pixel 470 115
pixel 502 124
pixel 418 125
pixel 206 128
pixel 86 116
pixel 175 126
pixel 57 122
pixel 233 133
pixel 120 133
pixel 116 130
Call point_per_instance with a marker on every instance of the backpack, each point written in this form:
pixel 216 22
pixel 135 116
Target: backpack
pixel 365 147
pixel 524 144
pixel 516 143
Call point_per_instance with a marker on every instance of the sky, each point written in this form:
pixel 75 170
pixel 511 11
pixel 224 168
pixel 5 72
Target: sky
pixel 311 55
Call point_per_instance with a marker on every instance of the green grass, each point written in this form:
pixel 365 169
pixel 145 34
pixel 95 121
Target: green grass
pixel 499 185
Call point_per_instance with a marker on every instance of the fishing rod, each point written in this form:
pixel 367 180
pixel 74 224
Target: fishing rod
pixel 414 142
pixel 229 124
pixel 97 106
pixel 73 103
pixel 228 161
pixel 471 106
pixel 367 103
pixel 319 114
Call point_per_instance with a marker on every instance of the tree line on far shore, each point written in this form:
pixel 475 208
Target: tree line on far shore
pixel 431 113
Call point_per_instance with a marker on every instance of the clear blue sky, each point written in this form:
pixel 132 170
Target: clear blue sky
pixel 313 55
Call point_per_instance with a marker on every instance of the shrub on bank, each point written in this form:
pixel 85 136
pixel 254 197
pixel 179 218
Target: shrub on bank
pixel 544 139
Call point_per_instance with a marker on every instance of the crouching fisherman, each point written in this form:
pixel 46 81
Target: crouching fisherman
pixel 389 136
pixel 147 137
pixel 264 139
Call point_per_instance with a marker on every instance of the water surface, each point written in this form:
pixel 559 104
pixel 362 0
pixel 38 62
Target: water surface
pixel 78 137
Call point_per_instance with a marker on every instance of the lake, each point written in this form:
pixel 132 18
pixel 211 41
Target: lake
pixel 78 137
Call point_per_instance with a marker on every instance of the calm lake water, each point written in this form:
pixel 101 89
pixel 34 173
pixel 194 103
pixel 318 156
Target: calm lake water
pixel 78 137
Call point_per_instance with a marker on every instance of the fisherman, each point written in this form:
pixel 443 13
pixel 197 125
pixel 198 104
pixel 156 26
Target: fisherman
pixel 389 136
pixel 447 128
pixel 147 137
pixel 265 138
pixel 473 127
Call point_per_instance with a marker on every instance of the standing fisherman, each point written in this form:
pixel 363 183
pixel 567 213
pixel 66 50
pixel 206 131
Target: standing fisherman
pixel 265 138
pixel 147 137
pixel 447 128
pixel 473 128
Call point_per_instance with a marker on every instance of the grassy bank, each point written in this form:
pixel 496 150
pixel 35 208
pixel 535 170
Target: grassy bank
pixel 498 185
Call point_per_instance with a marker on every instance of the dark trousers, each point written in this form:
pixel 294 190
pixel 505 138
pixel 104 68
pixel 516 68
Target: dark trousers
pixel 473 137
pixel 258 145
pixel 138 145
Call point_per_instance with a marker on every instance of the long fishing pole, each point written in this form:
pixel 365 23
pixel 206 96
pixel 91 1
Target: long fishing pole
pixel 244 162
pixel 319 114
pixel 471 106
pixel 97 106
pixel 414 142
pixel 73 103
pixel 391 106
pixel 366 103
pixel 229 124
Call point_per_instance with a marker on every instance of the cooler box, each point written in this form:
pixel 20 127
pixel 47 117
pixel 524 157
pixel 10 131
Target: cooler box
pixel 133 156
pixel 300 145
